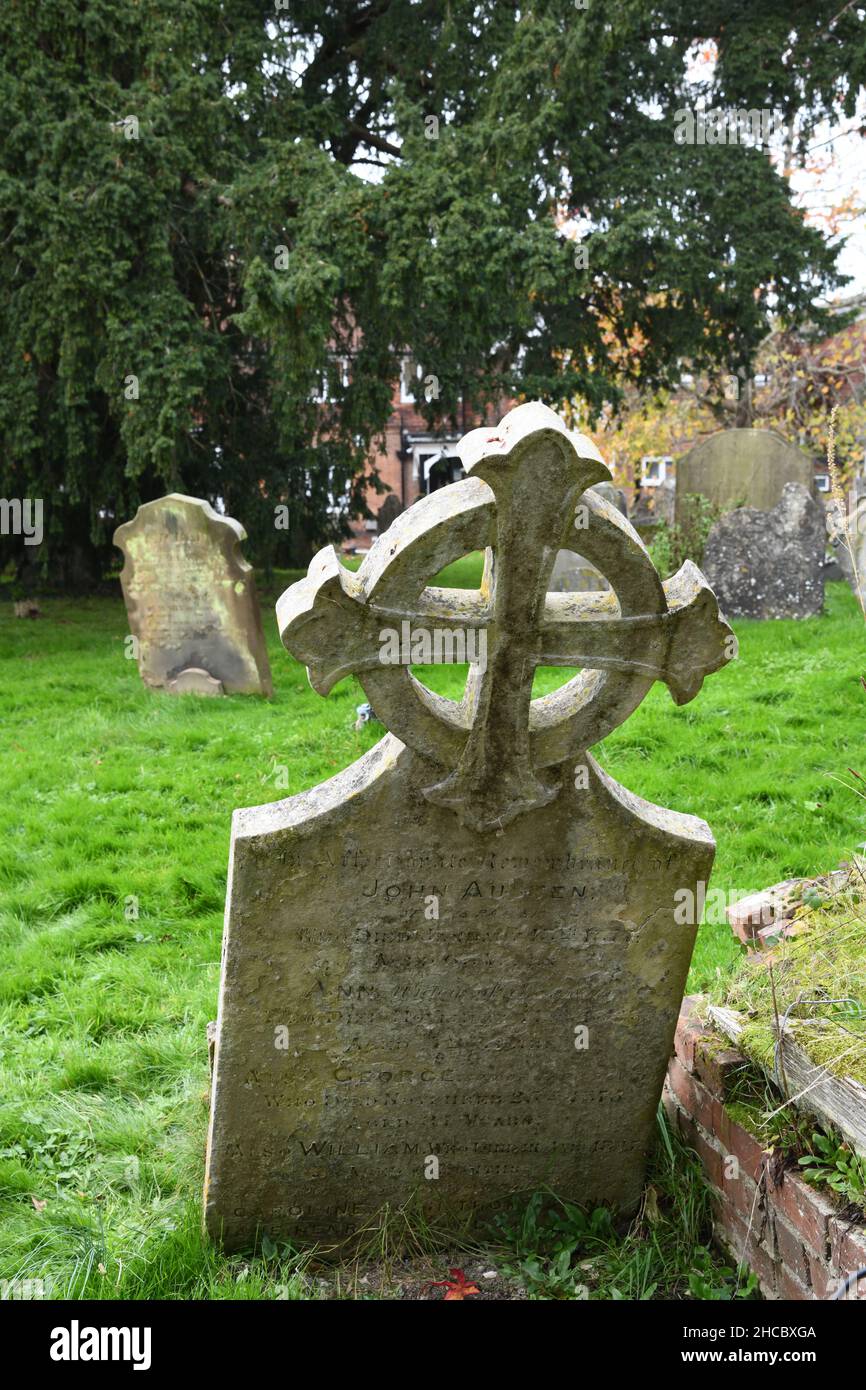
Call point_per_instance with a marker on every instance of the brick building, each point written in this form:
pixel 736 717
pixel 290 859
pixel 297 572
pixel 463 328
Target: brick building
pixel 415 460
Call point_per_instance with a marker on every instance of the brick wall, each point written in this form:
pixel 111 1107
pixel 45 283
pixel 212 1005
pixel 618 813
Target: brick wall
pixel 398 471
pixel 793 1238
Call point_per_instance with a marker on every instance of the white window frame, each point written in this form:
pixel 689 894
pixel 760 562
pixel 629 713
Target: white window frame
pixel 407 363
pixel 323 395
pixel 664 460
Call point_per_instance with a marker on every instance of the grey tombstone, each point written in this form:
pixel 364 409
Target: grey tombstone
pixel 390 509
pixel 571 573
pixel 846 526
pixel 745 467
pixel 652 508
pixel 832 571
pixel 191 600
pixel 769 564
pixel 452 972
pixel 612 494
pixel 194 681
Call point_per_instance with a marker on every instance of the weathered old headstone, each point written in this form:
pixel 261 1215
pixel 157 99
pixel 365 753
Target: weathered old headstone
pixel 453 971
pixel 769 564
pixel 191 599
pixel 741 468
pixel 194 681
pixel 612 494
pixel 390 509
pixel 846 526
pixel 571 573
pixel 652 508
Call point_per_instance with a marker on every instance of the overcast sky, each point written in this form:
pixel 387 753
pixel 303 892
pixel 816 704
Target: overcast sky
pixel 838 155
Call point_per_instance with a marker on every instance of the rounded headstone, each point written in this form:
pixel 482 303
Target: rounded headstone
pixel 390 509
pixel 742 468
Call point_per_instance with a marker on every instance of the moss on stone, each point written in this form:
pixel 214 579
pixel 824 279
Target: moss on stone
pixel 823 963
pixel 748 1117
pixel 758 1043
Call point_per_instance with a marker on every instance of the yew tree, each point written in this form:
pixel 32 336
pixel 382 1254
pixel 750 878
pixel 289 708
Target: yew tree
pixel 223 223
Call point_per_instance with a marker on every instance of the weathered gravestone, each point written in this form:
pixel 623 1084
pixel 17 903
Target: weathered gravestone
pixel 453 971
pixel 194 681
pixel 652 506
pixel 571 573
pixel 191 599
pixel 390 509
pixel 612 494
pixel 846 526
pixel 736 468
pixel 769 564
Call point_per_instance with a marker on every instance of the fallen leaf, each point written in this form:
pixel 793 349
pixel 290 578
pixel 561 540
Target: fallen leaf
pixel 457 1287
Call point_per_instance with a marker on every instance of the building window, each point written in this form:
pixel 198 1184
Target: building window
pixel 439 469
pixel 654 469
pixel 337 372
pixel 410 381
pixel 434 460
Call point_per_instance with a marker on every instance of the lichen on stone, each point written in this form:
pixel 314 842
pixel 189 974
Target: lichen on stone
pixel 819 979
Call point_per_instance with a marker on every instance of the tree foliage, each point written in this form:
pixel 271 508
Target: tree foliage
pixel 204 205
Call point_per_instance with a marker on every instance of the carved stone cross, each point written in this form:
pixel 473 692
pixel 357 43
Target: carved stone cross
pixel 525 499
pixel 452 972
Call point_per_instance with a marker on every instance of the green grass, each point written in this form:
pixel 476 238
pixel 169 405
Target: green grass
pixel 115 819
pixel 818 984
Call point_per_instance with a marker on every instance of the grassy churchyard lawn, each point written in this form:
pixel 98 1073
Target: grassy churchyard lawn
pixel 116 805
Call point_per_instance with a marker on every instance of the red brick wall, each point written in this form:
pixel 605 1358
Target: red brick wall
pixel 792 1237
pixel 398 473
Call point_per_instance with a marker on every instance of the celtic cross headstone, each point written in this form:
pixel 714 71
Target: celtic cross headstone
pixel 452 972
